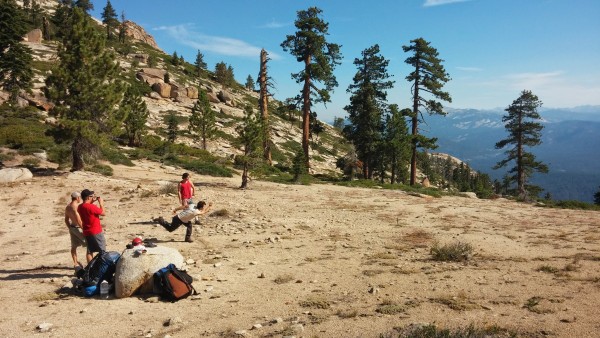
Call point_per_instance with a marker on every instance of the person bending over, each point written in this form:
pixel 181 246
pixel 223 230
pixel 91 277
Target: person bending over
pixel 185 217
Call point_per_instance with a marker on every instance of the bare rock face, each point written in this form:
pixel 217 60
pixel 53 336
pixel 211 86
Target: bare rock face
pixel 213 98
pixel 142 58
pixel 138 33
pixel 134 270
pixel 154 72
pixel 192 92
pixel 163 89
pixel 34 36
pixel 224 96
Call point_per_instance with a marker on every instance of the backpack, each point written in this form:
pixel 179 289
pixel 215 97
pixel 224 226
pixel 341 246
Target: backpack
pixel 101 267
pixel 172 283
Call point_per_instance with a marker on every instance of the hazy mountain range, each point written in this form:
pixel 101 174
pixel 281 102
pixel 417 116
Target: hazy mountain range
pixel 570 146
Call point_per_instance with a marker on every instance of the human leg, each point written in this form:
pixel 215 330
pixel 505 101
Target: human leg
pixel 77 239
pixel 188 232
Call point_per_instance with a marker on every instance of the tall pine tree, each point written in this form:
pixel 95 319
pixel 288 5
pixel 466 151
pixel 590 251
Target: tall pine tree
pixel 397 143
pixel 264 81
pixel 200 65
pixel 203 118
pixel 428 77
pixel 249 136
pixel 110 19
pixel 319 58
pixel 523 131
pixel 135 113
pixel 367 103
pixel 15 58
pixel 85 88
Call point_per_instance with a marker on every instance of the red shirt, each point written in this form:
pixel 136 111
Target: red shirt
pixel 90 217
pixel 185 189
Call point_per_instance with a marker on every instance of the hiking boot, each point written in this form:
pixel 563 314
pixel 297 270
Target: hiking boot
pixel 189 240
pixel 160 220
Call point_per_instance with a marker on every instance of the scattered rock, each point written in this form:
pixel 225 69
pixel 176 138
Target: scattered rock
pixel 8 175
pixel 44 327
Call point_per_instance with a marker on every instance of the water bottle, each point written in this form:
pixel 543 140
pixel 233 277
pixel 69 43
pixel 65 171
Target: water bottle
pixel 104 288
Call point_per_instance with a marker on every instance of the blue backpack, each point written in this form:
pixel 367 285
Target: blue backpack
pixel 101 267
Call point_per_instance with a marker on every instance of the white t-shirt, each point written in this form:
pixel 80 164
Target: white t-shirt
pixel 188 214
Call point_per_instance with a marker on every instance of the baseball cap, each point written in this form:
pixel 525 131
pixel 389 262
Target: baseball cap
pixel 85 193
pixel 75 194
pixel 136 241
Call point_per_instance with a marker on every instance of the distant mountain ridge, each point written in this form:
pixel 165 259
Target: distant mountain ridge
pixel 570 146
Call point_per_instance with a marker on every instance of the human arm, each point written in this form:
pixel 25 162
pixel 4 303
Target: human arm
pixel 101 211
pixel 204 210
pixel 181 207
pixel 193 189
pixel 179 193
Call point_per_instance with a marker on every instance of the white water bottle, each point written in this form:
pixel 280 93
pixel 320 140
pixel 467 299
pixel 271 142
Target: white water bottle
pixel 104 288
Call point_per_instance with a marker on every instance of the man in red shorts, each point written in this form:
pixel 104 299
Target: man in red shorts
pixel 186 190
pixel 90 219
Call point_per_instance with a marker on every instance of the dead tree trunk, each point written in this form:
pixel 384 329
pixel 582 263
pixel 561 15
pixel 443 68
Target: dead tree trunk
pixel 264 107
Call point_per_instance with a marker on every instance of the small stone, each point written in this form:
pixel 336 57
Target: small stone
pixel 131 312
pixel 253 263
pixel 373 290
pixel 262 275
pixel 44 327
pixel 190 261
pixel 256 326
pixel 84 310
pixel 277 320
pixel 216 265
pixel 241 332
pixel 209 288
pixel 173 321
pixel 297 328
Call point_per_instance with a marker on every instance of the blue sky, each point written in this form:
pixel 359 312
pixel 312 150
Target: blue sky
pixel 492 49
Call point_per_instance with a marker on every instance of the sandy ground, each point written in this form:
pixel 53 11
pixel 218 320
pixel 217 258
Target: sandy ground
pixel 334 261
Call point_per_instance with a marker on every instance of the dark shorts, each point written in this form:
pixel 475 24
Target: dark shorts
pixel 96 243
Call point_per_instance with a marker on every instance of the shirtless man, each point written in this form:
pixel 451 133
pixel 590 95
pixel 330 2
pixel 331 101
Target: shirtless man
pixel 73 222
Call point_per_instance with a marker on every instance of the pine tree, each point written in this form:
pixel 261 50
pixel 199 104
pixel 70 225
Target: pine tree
pixel 85 88
pixel 397 143
pixel 135 113
pixel 230 81
pixel 367 102
pixel 265 84
pixel 203 118
pixel 175 59
pixel 429 76
pixel 597 197
pixel 85 5
pixel 16 71
pixel 123 29
pixel 523 132
pixel 172 127
pixel 151 61
pixel 109 18
pixel 319 58
pixel 249 139
pixel 200 65
pixel 249 83
pixel 61 20
pixel 221 73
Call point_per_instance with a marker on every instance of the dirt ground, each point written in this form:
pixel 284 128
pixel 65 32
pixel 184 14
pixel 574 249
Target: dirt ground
pixel 306 261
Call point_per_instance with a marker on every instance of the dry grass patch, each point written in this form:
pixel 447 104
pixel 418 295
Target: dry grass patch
pixel 220 213
pixel 349 313
pixel 417 238
pixel 536 305
pixel 283 279
pixel 459 302
pixel 452 252
pixel 315 303
pixel 40 297
pixel 547 269
pixel 389 307
pixel 372 273
pixel 169 188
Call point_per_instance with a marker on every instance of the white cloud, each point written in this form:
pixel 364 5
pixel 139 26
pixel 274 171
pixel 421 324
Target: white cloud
pixel 470 69
pixel 185 35
pixel 274 24
pixel 535 80
pixel 432 3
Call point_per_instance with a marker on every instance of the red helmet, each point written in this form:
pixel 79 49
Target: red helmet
pixel 136 241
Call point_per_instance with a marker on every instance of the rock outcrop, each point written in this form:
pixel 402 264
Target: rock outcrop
pixel 15 175
pixel 135 270
pixel 136 32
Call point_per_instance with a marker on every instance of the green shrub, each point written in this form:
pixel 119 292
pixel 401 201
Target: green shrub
pixel 431 331
pixel 453 252
pixel 31 162
pixel 102 169
pixel 114 156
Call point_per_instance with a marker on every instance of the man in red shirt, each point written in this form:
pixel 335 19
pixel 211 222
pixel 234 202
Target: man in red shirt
pixel 90 219
pixel 186 190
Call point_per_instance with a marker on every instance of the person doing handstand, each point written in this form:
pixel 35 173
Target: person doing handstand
pixel 185 217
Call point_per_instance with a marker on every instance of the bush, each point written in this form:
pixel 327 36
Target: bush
pixel 114 156
pixel 31 162
pixel 102 169
pixel 454 252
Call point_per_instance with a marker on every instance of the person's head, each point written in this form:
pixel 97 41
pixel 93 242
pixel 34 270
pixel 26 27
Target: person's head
pixel 200 205
pixel 185 176
pixel 75 196
pixel 87 194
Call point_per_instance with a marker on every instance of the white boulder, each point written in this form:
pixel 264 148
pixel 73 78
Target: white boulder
pixel 8 175
pixel 136 269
